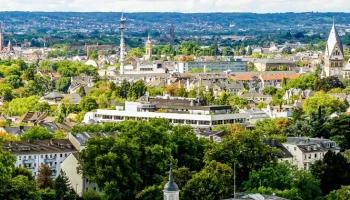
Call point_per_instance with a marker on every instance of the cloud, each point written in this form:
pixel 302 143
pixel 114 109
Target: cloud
pixel 260 6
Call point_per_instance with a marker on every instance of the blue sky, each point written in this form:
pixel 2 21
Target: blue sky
pixel 260 6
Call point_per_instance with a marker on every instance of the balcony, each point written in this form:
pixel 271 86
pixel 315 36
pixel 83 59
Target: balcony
pixel 28 161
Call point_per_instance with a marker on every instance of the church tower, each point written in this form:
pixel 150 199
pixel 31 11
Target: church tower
pixel 148 47
pixel 171 190
pixel 122 43
pixel 334 55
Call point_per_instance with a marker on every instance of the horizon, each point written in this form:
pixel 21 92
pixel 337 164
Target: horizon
pixel 176 6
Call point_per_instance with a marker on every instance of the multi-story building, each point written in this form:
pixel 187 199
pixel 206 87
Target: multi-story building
pixel 236 65
pixel 306 151
pixel 32 155
pixel 182 111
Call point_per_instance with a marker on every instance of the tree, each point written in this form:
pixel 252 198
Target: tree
pixel 341 194
pixel 92 195
pixel 326 101
pixel 333 171
pixel 245 150
pixel 37 133
pixel 14 80
pixel 284 180
pixel 187 149
pixel 137 90
pixel 88 104
pixel 63 84
pixel 328 83
pixel 6 92
pixel 213 182
pixel 20 106
pixel 270 90
pixel 63 189
pixel 114 162
pixel 44 177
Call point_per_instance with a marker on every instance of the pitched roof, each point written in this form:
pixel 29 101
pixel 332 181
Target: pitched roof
pixel 333 41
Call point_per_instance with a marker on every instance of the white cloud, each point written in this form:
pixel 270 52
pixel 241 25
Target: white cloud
pixel 261 6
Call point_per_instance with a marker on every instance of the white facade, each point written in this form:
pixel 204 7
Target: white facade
pixel 307 151
pixel 193 117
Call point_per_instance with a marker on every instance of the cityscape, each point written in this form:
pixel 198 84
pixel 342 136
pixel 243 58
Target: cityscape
pixel 174 100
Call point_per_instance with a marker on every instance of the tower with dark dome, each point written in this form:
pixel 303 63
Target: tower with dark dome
pixel 171 190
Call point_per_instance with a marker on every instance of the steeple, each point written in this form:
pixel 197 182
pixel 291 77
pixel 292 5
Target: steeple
pixel 334 54
pixel 171 190
pixel 334 41
pixel 148 47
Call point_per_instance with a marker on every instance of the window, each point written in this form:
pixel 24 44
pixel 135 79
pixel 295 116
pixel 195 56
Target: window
pixel 315 155
pixel 61 155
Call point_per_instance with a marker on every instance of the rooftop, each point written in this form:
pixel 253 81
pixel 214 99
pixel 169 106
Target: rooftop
pixel 40 146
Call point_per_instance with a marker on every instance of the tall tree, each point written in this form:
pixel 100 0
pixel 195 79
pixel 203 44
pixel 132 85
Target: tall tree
pixel 44 179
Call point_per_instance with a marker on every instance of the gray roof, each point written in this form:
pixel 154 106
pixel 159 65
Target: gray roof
pixel 241 196
pixel 333 41
pixel 171 186
pixel 54 95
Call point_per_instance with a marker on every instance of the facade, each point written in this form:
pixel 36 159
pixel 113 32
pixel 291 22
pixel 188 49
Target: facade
pixel 215 66
pixel 32 155
pixel 334 55
pixel 176 110
pixel 273 64
pixel 306 151
pixel 148 47
pixel 79 184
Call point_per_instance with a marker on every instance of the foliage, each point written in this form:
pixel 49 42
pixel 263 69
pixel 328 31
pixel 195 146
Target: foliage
pixel 44 177
pixel 6 137
pixel 213 182
pixel 341 194
pixel 304 82
pixel 244 150
pixel 333 171
pixel 326 101
pixel 63 84
pixel 88 104
pixel 328 83
pixel 20 106
pixel 280 178
pixel 37 133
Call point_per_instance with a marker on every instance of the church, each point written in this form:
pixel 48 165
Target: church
pixel 334 57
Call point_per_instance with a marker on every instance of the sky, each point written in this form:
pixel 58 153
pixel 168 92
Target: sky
pixel 188 6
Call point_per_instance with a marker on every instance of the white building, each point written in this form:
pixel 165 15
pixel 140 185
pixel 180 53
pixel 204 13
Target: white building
pixel 306 151
pixel 32 155
pixel 171 190
pixel 176 110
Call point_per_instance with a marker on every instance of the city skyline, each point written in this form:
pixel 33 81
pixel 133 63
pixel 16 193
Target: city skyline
pixel 188 6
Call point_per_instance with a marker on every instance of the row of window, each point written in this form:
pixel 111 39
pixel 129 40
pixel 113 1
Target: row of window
pixel 46 156
pixel 177 121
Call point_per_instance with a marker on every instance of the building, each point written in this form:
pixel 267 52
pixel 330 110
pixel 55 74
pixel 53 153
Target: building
pixel 334 55
pixel 306 151
pixel 80 184
pixel 171 190
pixel 273 64
pixel 182 111
pixel 148 47
pixel 242 196
pixel 236 65
pixel 33 154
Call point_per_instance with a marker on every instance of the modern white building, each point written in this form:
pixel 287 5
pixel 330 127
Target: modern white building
pixel 306 151
pixel 32 155
pixel 177 110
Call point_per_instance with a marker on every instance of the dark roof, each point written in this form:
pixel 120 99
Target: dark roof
pixel 171 186
pixel 40 146
pixel 283 153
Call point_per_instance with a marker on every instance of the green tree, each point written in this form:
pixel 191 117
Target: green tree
pixel 63 84
pixel 328 83
pixel 37 133
pixel 6 92
pixel 88 104
pixel 333 171
pixel 341 194
pixel 326 101
pixel 20 106
pixel 63 189
pixel 213 182
pixel 14 80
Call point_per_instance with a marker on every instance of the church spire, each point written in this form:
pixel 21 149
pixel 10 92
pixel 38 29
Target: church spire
pixel 171 190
